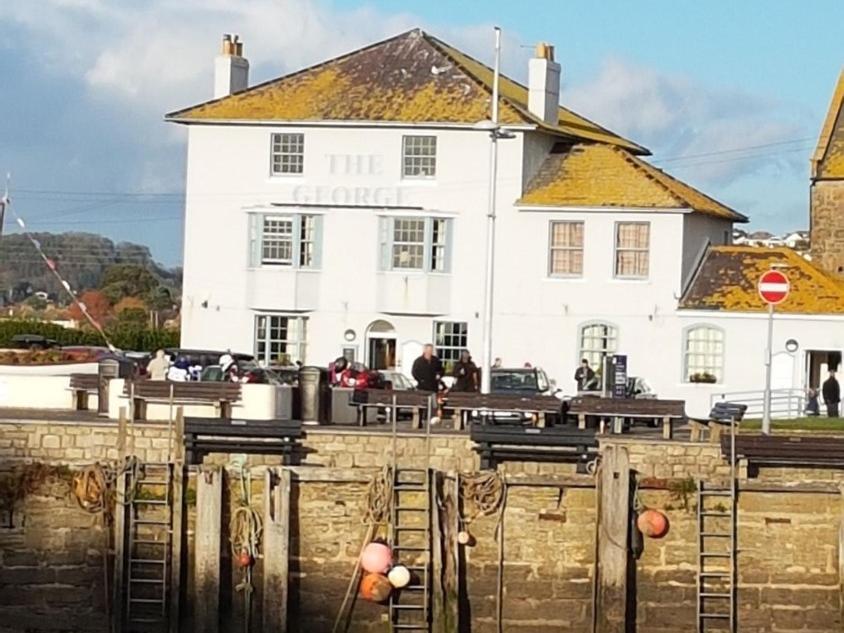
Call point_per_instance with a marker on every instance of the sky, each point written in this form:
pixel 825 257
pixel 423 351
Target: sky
pixel 729 96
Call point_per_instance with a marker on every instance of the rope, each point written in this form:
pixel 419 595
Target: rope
pixel 379 502
pixel 482 493
pixel 245 530
pixel 94 486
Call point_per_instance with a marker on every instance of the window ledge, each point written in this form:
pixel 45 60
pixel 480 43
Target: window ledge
pixel 575 278
pixel 415 181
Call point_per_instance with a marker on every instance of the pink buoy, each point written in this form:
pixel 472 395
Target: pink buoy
pixel 377 558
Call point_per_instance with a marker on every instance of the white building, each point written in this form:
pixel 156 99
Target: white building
pixel 341 209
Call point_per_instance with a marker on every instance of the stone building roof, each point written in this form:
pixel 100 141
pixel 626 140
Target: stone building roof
pixel 410 78
pixel 600 175
pixel 727 277
pixel 828 159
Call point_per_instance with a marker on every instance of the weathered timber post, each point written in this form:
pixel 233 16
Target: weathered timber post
pixel 178 503
pixel 209 505
pixel 276 539
pixel 614 518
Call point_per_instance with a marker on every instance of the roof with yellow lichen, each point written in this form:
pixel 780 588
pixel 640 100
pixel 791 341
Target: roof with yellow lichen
pixel 600 175
pixel 828 159
pixel 727 277
pixel 411 78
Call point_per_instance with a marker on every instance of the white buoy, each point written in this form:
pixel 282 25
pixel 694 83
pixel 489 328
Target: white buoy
pixel 399 576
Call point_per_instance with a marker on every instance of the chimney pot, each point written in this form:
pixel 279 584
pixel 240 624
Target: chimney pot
pixel 231 69
pixel 544 84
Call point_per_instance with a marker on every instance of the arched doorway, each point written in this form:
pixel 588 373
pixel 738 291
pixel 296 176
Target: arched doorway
pixel 381 345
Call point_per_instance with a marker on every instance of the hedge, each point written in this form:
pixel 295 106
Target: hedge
pixel 125 336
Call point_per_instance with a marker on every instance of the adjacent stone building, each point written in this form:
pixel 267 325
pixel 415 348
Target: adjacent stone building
pixel 827 197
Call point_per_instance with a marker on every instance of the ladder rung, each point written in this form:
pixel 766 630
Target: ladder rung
pixel 411 548
pixel 148 581
pixel 412 508
pixel 152 482
pixel 146 600
pixel 409 607
pixel 418 626
pixel 714 574
pixel 717 534
pixel 146 620
pixel 150 522
pixel 150 502
pixel 716 554
pixel 147 561
pixel 146 541
pixel 706 513
pixel 410 528
pixel 715 594
pixel 715 493
pixel 723 616
pixel 410 485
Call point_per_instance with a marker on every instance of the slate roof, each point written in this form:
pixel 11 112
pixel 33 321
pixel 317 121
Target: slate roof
pixel 600 175
pixel 410 78
pixel 726 281
pixel 828 159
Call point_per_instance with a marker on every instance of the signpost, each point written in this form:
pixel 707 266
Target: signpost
pixel 773 287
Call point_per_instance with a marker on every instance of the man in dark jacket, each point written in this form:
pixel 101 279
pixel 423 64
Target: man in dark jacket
pixel 584 375
pixel 466 375
pixel 831 395
pixel 427 370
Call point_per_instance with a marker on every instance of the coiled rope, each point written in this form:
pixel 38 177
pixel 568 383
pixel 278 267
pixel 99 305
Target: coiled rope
pixel 94 486
pixel 245 530
pixel 481 495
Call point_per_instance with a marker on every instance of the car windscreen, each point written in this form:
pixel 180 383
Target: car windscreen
pixel 513 381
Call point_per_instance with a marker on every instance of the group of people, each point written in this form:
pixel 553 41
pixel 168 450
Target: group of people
pixel 831 394
pixel 160 367
pixel 428 372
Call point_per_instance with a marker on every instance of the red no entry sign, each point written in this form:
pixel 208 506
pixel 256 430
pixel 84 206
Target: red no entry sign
pixel 773 287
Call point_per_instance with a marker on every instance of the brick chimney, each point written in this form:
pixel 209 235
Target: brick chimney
pixel 231 69
pixel 544 84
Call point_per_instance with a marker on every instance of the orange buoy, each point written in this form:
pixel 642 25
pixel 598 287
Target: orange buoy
pixel 375 587
pixel 652 523
pixel 377 558
pixel 244 559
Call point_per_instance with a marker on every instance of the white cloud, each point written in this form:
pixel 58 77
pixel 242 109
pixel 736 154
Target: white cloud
pixel 676 116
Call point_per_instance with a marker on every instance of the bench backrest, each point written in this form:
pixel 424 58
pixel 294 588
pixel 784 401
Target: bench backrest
pixel 628 407
pixel 385 397
pixel 161 389
pixel 502 402
pixel 797 449
pixel 531 436
pixel 233 427
pixel 88 382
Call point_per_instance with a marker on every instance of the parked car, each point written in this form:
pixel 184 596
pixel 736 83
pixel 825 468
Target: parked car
pixel 204 357
pixel 397 380
pixel 32 342
pixel 527 381
pixel 250 372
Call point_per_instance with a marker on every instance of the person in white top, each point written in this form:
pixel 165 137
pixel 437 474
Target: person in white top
pixel 158 366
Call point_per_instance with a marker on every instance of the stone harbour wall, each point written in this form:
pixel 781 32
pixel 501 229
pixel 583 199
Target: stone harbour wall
pixel 52 575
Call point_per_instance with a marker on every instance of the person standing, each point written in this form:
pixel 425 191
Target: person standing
pixel 466 376
pixel 158 366
pixel 831 391
pixel 584 375
pixel 427 370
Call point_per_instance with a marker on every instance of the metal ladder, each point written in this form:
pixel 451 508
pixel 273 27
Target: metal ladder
pixel 149 540
pixel 410 537
pixel 717 522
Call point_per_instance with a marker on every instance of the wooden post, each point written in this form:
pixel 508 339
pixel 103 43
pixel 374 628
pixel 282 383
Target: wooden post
pixel 666 428
pixel 841 550
pixel 178 526
pixel 436 544
pixel 117 601
pixel 613 540
pixel 209 505
pixel 416 422
pixel 276 549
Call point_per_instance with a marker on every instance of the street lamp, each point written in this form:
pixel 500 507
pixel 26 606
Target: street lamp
pixel 492 127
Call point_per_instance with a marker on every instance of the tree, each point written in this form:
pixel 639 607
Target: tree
pixel 98 305
pixel 127 280
pixel 131 310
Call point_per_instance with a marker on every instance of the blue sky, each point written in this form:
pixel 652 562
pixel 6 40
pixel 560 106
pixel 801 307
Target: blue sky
pixel 729 96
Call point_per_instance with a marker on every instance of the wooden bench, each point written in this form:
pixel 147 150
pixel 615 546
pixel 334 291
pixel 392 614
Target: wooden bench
pixel 496 443
pixel 81 387
pixel 417 402
pixel 620 409
pixel 722 416
pixel 221 394
pixel 786 450
pixel 226 435
pixel 463 404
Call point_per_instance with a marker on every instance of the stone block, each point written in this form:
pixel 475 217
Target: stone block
pixel 51 441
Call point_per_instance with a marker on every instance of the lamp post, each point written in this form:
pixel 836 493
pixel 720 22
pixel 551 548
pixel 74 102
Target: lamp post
pixel 495 133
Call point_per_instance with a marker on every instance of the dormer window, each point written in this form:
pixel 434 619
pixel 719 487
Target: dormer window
pixel 419 156
pixel 288 154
